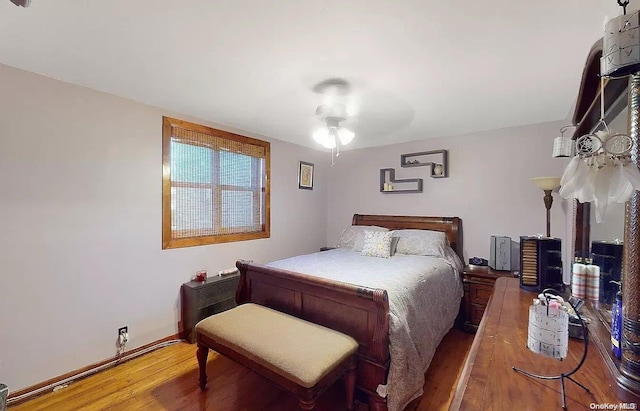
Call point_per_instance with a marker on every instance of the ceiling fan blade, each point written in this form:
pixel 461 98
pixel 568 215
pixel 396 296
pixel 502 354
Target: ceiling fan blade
pixel 338 86
pixel 22 3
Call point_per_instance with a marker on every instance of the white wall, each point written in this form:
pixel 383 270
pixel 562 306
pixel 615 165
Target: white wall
pixel 80 218
pixel 489 185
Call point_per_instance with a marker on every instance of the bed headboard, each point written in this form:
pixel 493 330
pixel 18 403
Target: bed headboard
pixel 452 226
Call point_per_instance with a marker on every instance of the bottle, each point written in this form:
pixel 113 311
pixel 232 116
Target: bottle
pixel 579 279
pixel 592 286
pixel 616 324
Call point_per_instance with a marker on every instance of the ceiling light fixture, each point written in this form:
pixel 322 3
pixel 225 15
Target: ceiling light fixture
pixel 333 135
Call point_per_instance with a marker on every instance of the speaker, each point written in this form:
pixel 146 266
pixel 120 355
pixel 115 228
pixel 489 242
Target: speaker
pixel 540 263
pixel 500 253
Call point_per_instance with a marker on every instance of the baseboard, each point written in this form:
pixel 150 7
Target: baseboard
pixel 54 380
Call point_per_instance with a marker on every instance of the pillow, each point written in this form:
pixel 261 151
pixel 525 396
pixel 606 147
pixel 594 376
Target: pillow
pixel 359 241
pixel 353 236
pixel 422 242
pixel 377 244
pixel 394 244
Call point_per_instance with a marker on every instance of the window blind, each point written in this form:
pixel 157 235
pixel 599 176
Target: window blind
pixel 218 183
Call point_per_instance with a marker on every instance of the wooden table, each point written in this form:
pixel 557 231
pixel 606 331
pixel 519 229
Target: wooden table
pixel 489 383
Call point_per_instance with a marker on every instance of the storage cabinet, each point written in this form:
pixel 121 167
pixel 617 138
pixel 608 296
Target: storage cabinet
pixel 200 300
pixel 478 282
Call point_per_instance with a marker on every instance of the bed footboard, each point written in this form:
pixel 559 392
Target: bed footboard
pixel 361 312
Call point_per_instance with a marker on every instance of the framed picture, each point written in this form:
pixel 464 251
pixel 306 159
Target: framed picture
pixel 305 175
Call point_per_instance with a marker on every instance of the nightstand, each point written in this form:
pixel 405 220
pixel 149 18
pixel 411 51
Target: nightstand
pixel 200 300
pixel 478 282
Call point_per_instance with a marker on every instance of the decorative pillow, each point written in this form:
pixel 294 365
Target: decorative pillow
pixel 353 236
pixel 422 242
pixel 377 244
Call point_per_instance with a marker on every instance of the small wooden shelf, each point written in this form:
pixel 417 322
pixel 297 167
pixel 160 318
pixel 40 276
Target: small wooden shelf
pixel 436 160
pixel 406 185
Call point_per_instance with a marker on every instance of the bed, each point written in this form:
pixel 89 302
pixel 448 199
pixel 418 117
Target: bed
pixel 363 311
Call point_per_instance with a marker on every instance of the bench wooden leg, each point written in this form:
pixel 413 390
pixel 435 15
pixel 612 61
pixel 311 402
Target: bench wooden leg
pixel 307 405
pixel 202 354
pixel 350 384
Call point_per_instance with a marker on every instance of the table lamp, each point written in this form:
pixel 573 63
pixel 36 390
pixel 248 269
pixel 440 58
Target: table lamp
pixel 547 184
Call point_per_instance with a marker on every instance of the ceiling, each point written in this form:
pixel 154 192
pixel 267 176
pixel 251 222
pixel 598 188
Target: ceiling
pixel 417 68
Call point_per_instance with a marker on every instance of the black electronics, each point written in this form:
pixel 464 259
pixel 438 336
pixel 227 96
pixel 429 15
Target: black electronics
pixel 478 261
pixel 540 263
pixel 607 256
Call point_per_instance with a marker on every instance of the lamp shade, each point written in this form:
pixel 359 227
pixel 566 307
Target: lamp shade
pixel 345 135
pixel 546 183
pixel 324 137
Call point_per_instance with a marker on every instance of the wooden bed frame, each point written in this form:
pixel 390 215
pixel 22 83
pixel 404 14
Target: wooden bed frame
pixel 360 312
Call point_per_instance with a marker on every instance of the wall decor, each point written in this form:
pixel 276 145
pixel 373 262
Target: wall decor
pixel 305 175
pixel 436 160
pixel 389 183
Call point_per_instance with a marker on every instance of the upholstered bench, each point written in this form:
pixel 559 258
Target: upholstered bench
pixel 299 356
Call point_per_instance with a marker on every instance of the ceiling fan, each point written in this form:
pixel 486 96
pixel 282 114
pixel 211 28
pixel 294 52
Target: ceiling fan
pixel 22 3
pixel 335 113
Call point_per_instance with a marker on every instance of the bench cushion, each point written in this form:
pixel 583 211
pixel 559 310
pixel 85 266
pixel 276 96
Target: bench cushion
pixel 298 350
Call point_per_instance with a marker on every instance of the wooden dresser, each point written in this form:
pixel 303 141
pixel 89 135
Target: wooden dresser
pixel 488 382
pixel 478 284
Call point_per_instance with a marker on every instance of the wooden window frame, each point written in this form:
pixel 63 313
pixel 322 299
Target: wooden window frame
pixel 167 239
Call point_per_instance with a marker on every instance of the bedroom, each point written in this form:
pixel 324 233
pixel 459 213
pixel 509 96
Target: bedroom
pixel 82 96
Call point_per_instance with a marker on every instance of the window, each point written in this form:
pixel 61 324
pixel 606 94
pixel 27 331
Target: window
pixel 215 186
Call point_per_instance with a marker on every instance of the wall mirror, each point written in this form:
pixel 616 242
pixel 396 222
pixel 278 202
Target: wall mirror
pixel 614 95
pixel 612 227
pixel 586 116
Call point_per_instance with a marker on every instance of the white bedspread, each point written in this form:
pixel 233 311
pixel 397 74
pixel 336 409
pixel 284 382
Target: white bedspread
pixel 424 298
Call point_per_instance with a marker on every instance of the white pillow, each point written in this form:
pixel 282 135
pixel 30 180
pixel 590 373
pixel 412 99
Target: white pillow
pixel 353 236
pixel 377 244
pixel 394 244
pixel 422 242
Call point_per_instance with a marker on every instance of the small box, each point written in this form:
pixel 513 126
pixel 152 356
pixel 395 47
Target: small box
pixel 576 330
pixel 500 253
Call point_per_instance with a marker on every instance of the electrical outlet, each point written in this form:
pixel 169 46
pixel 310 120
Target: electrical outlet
pixel 123 330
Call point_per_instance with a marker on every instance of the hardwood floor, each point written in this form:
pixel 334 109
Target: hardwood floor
pixel 167 379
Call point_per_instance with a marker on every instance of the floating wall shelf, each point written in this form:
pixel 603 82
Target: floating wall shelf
pixel 436 160
pixel 407 185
